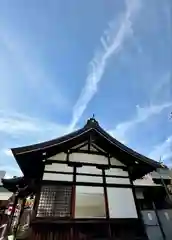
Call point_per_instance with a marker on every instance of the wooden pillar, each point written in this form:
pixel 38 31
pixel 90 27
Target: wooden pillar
pixel 73 197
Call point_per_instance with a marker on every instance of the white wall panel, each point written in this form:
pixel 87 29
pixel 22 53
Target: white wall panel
pixel 60 156
pixel 58 167
pixel 121 203
pixel 88 158
pixel 57 177
pixel 116 171
pixel 89 202
pixel 116 162
pixel 80 178
pixel 79 145
pixel 89 170
pixel 145 181
pixel 117 180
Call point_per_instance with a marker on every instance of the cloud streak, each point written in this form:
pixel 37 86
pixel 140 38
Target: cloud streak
pixel 17 129
pixel 142 115
pixel 20 125
pixel 163 151
pixel 112 41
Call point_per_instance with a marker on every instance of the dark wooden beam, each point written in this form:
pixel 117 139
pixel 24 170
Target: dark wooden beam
pixel 88 152
pixel 89 143
pixel 85 174
pixel 92 184
pixel 49 162
pixel 99 150
pixel 109 162
pixel 73 196
pixel 67 157
pixel 80 146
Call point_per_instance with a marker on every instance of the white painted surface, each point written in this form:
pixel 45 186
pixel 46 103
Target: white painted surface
pixel 89 202
pixel 79 145
pixel 80 178
pixel 115 162
pixel 117 180
pixel 145 181
pixel 88 158
pixel 5 195
pixel 161 173
pixel 121 203
pixel 58 167
pixel 59 157
pixel 57 177
pixel 99 148
pixel 116 171
pixel 89 170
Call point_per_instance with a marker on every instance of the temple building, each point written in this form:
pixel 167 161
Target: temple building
pixel 87 185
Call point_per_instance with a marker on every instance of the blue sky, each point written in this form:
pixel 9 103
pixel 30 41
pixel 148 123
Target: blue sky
pixel 61 61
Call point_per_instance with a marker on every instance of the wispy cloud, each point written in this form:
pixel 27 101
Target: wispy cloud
pixel 17 129
pixel 112 41
pixel 142 115
pixel 14 123
pixel 163 151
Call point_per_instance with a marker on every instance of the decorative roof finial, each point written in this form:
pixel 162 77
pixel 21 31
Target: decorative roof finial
pixel 92 121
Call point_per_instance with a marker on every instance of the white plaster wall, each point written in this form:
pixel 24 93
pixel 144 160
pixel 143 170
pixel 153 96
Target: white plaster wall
pixel 89 179
pixel 5 195
pixel 115 162
pixel 58 167
pixel 89 202
pixel 116 171
pixel 146 181
pixel 117 180
pixel 121 203
pixel 89 170
pixel 88 158
pixel 60 156
pixel 57 177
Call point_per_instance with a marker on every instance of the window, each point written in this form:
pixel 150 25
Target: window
pixel 89 202
pixel 121 203
pixel 55 201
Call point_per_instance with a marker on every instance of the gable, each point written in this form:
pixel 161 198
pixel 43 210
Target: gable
pixel 85 153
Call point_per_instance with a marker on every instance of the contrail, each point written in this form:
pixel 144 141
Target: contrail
pixel 111 42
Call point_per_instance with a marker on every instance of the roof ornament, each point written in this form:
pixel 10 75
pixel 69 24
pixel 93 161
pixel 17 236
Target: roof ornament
pixel 91 122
